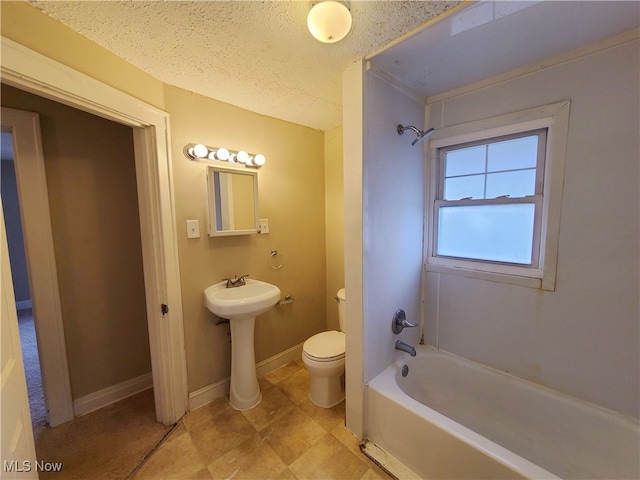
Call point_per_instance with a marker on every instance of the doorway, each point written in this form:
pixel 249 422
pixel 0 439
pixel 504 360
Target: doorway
pixel 20 276
pixel 93 207
pixel 28 70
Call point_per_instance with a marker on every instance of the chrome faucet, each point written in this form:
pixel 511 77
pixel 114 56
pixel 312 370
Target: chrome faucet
pixel 405 348
pixel 236 281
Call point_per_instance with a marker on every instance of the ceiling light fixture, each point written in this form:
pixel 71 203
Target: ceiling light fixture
pixel 200 152
pixel 329 21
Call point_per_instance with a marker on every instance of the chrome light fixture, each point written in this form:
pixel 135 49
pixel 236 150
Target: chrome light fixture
pixel 199 152
pixel 329 21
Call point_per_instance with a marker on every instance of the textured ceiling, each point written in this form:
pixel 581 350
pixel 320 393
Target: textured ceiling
pixel 257 55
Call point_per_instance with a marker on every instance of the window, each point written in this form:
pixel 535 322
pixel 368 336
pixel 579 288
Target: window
pixel 494 199
pixel 489 199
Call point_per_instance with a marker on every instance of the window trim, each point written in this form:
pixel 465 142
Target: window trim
pixel 555 119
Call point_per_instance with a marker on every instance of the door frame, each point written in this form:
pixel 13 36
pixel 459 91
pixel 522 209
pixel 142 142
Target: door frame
pixel 39 249
pixel 28 70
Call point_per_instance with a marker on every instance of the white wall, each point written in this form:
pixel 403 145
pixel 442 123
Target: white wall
pixel 581 339
pixel 384 215
pixel 393 218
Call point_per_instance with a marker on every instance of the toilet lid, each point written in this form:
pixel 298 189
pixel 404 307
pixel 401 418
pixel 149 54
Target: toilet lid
pixel 325 345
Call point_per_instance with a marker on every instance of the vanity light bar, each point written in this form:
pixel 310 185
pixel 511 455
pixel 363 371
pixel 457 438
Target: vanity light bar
pixel 199 152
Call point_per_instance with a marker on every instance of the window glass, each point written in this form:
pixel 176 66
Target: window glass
pixel 500 233
pixel 505 167
pixel 515 184
pixel 513 154
pixel 471 186
pixel 466 161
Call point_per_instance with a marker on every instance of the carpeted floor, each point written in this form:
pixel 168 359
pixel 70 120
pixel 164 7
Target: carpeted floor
pixel 32 369
pixel 109 443
pixel 106 444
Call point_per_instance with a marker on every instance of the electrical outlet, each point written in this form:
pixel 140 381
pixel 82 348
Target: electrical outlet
pixel 263 226
pixel 193 229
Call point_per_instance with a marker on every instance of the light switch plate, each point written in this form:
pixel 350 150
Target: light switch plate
pixel 263 226
pixel 193 229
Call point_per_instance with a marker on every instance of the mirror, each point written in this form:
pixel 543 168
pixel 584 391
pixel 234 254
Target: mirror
pixel 233 201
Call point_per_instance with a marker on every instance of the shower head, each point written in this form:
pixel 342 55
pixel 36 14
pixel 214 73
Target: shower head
pixel 421 134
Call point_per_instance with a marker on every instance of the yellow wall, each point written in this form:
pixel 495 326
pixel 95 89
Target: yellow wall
pixel 291 191
pixel 334 220
pixel 291 197
pixel 23 24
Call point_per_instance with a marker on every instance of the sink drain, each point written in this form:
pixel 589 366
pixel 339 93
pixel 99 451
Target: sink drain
pixel 405 370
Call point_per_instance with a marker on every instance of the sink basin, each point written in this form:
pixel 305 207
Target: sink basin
pixel 249 300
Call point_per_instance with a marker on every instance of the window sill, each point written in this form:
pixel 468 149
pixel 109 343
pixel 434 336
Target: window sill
pixel 519 280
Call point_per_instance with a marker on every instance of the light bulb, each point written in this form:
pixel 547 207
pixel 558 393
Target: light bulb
pixel 329 21
pixel 200 151
pixel 222 154
pixel 259 159
pixel 242 156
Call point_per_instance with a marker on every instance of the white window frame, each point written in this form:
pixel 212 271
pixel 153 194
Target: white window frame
pixel 542 274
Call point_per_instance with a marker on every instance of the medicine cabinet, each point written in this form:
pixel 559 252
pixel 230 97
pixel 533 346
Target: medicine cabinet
pixel 233 201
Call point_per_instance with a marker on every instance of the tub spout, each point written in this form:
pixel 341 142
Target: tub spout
pixel 405 348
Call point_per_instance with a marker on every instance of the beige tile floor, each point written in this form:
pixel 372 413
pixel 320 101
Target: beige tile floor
pixel 285 436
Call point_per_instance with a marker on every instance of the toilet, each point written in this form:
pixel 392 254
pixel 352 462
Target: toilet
pixel 323 356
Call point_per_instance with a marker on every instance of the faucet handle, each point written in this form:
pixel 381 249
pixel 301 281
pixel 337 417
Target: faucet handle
pixel 399 322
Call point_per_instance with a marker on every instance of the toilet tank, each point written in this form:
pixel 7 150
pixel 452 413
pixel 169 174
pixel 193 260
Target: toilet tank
pixel 340 297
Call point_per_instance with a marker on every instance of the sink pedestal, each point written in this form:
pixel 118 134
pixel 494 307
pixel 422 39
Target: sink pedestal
pixel 244 392
pixel 241 305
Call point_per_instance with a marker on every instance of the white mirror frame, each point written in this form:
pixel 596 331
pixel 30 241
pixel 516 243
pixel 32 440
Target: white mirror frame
pixel 215 204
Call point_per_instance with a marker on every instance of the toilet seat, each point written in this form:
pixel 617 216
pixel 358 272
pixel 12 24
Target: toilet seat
pixel 325 346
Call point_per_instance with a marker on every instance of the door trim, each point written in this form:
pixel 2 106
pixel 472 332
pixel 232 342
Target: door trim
pixel 28 70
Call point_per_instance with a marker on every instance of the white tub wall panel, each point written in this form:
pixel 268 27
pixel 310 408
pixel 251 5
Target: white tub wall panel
pixel 581 339
pixel 393 221
pixel 431 314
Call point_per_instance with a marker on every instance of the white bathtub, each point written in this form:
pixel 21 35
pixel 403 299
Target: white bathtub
pixel 452 418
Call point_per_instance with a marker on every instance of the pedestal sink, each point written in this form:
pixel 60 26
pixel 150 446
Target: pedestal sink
pixel 241 305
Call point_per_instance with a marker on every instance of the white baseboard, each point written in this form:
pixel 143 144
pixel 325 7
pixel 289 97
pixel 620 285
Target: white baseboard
pixel 208 394
pixel 109 395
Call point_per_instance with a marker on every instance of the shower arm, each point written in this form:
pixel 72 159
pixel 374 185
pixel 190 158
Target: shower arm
pixel 401 129
pixel 421 135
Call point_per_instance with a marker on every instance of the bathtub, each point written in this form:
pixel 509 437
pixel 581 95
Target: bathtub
pixel 453 418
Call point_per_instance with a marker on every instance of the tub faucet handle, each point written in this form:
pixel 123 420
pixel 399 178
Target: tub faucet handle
pixel 399 322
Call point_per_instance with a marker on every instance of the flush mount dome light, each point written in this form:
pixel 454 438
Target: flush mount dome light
pixel 329 21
